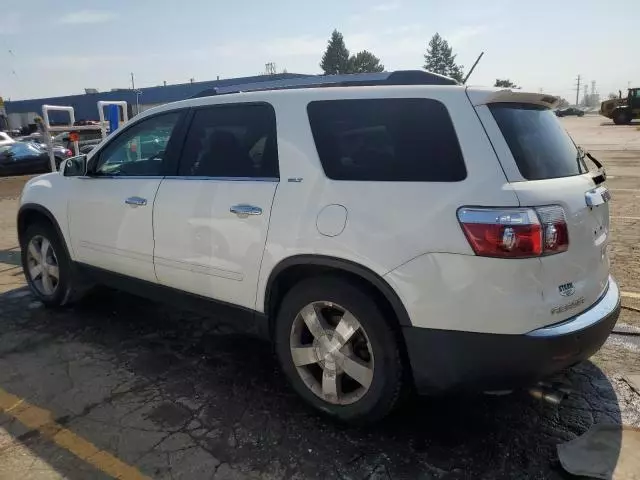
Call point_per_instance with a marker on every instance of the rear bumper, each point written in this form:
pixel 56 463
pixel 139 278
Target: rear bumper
pixel 444 360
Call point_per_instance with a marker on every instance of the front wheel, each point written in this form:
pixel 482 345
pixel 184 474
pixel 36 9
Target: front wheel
pixel 47 267
pixel 338 351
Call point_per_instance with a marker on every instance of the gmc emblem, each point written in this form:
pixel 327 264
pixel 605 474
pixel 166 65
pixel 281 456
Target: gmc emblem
pixel 567 289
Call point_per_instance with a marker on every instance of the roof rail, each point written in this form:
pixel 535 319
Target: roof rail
pixel 399 77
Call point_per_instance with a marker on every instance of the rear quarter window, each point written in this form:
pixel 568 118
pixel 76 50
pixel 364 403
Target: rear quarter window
pixel 538 142
pixel 402 140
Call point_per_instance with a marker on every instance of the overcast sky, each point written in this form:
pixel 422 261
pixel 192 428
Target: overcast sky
pixel 56 48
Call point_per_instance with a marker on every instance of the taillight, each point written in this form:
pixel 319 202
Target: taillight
pixel 68 153
pixel 515 232
pixel 555 233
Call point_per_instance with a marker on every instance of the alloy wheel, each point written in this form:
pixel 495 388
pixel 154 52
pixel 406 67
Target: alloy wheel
pixel 332 353
pixel 42 265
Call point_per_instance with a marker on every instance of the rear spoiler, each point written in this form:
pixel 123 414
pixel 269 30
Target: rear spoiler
pixel 486 96
pixel 601 175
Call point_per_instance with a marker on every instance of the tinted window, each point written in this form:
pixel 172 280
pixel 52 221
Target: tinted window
pixel 231 141
pixel 540 145
pixel 139 151
pixel 405 140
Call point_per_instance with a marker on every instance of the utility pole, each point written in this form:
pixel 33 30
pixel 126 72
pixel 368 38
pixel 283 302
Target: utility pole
pixel 133 83
pixel 577 90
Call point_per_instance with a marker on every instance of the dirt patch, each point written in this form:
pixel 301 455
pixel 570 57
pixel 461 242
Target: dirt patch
pixel 11 187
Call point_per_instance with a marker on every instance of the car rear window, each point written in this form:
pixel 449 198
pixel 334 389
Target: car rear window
pixel 539 144
pixel 401 139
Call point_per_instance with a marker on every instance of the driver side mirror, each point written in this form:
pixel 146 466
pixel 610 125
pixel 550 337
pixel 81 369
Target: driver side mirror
pixel 75 166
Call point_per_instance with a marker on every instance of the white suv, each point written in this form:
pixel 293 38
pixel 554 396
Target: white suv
pixel 408 232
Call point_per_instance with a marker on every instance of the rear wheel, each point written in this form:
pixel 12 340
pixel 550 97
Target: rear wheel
pixel 338 351
pixel 47 267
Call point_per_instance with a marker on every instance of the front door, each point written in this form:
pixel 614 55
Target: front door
pixel 211 220
pixel 111 210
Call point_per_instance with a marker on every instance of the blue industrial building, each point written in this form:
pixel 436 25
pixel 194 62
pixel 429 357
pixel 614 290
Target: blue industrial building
pixel 21 112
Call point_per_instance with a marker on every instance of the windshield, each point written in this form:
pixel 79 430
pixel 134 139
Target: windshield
pixel 539 144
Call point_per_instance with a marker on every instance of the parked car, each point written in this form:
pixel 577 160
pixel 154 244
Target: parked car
pixel 5 139
pixel 565 112
pixel 87 140
pixel 416 233
pixel 20 158
pixel 32 137
pixel 58 150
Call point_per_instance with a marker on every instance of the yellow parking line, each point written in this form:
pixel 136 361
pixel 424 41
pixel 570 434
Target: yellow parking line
pixel 39 419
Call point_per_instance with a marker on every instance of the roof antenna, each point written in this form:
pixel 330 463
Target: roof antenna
pixel 472 68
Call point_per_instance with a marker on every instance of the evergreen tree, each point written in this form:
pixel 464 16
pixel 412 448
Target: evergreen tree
pixel 439 59
pixel 365 62
pixel 336 57
pixel 505 83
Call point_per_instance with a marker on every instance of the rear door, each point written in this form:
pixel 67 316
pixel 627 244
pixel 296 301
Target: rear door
pixel 546 168
pixel 211 219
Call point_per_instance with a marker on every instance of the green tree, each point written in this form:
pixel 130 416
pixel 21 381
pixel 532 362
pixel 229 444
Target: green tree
pixel 505 83
pixel 440 59
pixel 336 56
pixel 365 62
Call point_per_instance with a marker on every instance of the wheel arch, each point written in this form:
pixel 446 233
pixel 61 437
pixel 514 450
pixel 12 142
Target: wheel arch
pixel 30 213
pixel 294 268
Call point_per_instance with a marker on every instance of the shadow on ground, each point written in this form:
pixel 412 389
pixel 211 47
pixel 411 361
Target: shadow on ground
pixel 133 376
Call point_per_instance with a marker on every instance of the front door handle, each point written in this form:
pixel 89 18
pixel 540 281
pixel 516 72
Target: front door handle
pixel 243 211
pixel 136 201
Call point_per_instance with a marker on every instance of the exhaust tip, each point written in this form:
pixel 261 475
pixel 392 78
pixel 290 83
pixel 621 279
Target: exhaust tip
pixel 553 397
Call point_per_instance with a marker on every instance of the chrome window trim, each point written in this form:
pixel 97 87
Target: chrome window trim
pixel 122 177
pixel 178 177
pixel 224 179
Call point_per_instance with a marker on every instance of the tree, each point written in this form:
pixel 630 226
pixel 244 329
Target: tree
pixel 562 102
pixel 439 59
pixel 612 96
pixel 504 83
pixel 336 56
pixel 365 62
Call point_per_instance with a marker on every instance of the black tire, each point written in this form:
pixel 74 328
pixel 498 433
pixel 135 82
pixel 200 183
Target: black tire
pixel 386 384
pixel 621 118
pixel 67 289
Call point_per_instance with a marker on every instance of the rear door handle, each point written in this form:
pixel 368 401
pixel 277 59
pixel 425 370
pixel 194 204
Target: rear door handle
pixel 243 211
pixel 136 201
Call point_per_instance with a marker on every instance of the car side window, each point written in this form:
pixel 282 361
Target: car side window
pixel 394 139
pixel 231 140
pixel 139 151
